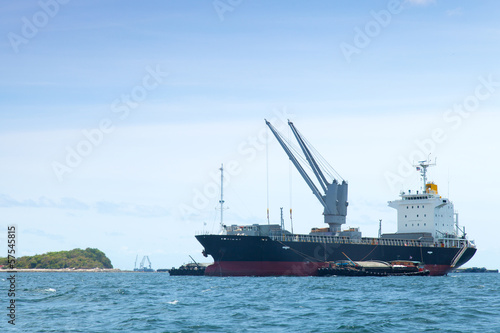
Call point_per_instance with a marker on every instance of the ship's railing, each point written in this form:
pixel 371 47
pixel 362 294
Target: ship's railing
pixel 203 233
pixel 454 242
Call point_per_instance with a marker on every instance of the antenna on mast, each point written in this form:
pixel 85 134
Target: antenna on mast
pixel 380 228
pixel 422 167
pixel 282 222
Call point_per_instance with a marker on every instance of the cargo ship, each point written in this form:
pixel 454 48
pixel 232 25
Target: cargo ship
pixel 427 229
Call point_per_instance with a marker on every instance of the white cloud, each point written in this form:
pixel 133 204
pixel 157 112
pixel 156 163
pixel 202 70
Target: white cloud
pixel 72 204
pixel 43 202
pixel 420 2
pixel 122 208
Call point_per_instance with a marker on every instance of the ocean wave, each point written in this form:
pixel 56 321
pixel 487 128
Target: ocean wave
pixel 121 302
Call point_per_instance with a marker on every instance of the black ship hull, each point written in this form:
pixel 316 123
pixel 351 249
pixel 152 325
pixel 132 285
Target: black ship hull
pixel 185 271
pixel 262 256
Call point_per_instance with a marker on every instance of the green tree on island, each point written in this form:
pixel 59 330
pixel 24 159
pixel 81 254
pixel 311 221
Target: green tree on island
pixel 76 258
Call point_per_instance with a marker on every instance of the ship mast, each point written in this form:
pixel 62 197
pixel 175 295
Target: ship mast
pixel 282 222
pixel 221 201
pixel 422 167
pixel 333 196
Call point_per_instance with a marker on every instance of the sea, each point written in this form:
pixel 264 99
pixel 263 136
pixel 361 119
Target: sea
pixel 157 302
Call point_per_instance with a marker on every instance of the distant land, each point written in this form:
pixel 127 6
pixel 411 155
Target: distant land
pixel 73 259
pixel 475 270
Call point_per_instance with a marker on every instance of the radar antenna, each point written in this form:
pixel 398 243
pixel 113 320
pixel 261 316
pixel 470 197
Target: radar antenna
pixel 422 167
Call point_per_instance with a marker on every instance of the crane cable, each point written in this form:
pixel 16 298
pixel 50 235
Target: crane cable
pixel 290 183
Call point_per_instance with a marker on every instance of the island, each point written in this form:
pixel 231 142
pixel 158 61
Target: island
pixel 475 270
pixel 76 259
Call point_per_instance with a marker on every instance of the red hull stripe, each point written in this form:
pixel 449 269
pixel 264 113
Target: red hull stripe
pixel 438 270
pixel 284 268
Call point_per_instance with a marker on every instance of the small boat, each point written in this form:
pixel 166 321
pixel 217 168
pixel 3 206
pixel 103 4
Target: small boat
pixel 193 268
pixel 188 269
pixel 373 268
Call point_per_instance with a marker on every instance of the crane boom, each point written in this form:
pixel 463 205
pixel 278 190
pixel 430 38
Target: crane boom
pixel 295 162
pixel 334 199
pixel 194 261
pixel 312 162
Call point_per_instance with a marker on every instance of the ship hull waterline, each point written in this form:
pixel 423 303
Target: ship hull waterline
pixel 262 256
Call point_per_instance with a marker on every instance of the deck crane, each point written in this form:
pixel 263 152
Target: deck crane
pixel 142 267
pixel 333 196
pixel 143 261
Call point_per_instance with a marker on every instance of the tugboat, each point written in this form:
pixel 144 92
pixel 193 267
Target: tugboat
pixel 428 230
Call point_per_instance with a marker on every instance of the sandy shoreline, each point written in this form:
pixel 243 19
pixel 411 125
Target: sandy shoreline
pixel 71 270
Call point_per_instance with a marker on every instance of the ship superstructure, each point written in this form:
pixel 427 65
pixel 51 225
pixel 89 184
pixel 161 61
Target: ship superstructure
pixel 426 211
pixel 427 230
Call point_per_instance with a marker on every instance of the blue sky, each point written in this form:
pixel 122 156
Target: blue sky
pixel 168 90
